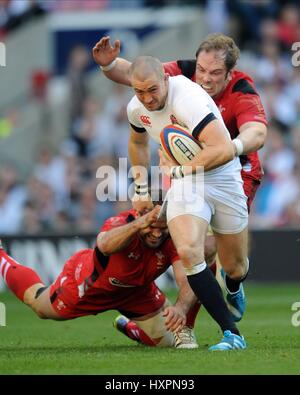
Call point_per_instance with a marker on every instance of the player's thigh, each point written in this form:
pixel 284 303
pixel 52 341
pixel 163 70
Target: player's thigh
pixel 188 234
pixel 187 230
pixel 43 308
pixel 188 214
pixel 155 328
pixel 232 248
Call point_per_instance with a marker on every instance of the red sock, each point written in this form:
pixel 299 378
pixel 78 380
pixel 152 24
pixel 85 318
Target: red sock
pixel 134 332
pixel 192 313
pixel 18 278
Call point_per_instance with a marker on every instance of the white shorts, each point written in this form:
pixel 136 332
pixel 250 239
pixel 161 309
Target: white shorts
pixel 222 203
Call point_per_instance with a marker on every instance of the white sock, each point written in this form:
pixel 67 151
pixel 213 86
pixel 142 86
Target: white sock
pixel 195 269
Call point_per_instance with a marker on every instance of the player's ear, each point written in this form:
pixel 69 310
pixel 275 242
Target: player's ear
pixel 229 75
pixel 166 77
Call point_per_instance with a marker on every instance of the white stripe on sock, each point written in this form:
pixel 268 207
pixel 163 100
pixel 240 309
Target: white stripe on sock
pixel 195 269
pixel 4 264
pixel 5 270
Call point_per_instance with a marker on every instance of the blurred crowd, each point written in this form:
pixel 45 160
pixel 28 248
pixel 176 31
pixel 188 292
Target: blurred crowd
pixel 14 13
pixel 59 195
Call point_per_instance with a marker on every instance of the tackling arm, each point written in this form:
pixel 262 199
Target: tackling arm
pixel 186 297
pixel 115 68
pixel 106 56
pixel 253 136
pixel 176 315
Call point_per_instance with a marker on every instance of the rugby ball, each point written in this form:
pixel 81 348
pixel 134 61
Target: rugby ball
pixel 178 144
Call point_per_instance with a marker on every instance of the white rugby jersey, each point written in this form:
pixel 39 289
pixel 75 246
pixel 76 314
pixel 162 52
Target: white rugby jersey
pixel 187 105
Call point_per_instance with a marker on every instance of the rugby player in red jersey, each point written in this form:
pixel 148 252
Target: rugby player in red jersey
pixel 118 274
pixel 241 108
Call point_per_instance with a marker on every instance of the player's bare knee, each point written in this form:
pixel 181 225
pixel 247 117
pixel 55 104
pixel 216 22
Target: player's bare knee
pixel 238 271
pixel 39 312
pixel 28 298
pixel 190 255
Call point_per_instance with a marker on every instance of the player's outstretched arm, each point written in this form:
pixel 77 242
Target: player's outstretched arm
pixel 176 315
pixel 106 56
pixel 118 238
pixel 252 135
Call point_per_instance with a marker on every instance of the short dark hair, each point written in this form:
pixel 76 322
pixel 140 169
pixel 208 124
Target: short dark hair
pixel 221 42
pixel 144 65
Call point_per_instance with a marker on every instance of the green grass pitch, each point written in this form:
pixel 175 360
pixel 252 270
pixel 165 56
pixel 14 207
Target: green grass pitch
pixel 91 345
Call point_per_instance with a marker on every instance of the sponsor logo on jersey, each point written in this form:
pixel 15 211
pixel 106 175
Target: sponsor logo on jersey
pixel 60 304
pixel 78 271
pixel 145 120
pixel 173 120
pixel 118 283
pixel 221 108
pixel 81 289
pixel 134 256
pixel 160 259
pixel 157 294
pixel 63 279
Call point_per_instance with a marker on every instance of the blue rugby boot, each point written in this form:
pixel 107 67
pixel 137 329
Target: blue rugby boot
pixel 236 301
pixel 229 342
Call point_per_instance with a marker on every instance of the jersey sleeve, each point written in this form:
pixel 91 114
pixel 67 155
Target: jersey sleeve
pixel 172 68
pixel 118 220
pixel 195 112
pixel 133 116
pixel 184 67
pixel 248 108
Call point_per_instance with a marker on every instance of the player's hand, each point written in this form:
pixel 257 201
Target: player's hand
pixel 149 218
pixel 142 203
pixel 104 53
pixel 165 163
pixel 175 318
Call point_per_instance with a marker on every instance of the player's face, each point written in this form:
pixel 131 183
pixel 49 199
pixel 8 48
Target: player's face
pixel 211 72
pixel 153 236
pixel 152 92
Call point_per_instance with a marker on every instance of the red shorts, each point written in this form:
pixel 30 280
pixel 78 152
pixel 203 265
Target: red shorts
pixel 81 289
pixel 250 187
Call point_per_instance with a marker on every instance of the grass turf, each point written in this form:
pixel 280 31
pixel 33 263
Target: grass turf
pixel 90 345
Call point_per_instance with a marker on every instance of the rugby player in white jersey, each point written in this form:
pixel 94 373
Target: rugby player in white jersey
pixel 160 100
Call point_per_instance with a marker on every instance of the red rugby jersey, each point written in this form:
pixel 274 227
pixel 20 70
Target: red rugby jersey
pixel 238 103
pixel 136 265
